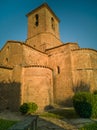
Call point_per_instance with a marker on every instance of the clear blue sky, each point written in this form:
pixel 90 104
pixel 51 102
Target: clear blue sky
pixel 78 20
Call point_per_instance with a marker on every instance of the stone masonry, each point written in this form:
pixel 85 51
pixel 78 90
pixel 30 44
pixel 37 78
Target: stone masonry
pixel 43 69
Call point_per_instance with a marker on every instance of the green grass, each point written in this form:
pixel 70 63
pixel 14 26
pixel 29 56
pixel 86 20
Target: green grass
pixel 5 124
pixel 92 126
pixel 69 114
pixel 47 114
pixel 61 113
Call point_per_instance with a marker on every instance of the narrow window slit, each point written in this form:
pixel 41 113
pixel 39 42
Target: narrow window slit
pixel 58 69
pixel 36 20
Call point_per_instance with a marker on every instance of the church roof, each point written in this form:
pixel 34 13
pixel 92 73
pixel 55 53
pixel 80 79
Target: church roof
pixel 41 6
pixel 22 43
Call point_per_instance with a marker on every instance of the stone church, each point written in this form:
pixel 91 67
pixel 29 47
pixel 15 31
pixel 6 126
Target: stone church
pixel 43 69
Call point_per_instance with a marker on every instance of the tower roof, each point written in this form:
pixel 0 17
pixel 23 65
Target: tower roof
pixel 41 6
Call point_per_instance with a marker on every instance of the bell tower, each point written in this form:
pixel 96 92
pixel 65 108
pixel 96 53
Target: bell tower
pixel 43 28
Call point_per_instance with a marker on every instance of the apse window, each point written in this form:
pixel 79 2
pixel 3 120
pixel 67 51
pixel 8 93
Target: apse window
pixel 58 69
pixel 36 20
pixel 6 59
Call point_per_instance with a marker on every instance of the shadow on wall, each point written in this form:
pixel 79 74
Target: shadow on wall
pixel 9 95
pixel 67 102
pixel 79 87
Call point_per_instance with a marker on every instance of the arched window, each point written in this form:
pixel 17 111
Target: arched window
pixel 52 23
pixel 58 69
pixel 7 47
pixel 6 60
pixel 36 20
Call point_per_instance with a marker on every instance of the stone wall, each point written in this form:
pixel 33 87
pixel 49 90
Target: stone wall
pixel 9 90
pixel 44 41
pixel 60 61
pixel 10 96
pixel 34 57
pixel 52 27
pixel 84 67
pixel 11 54
pixel 37 86
pixel 5 74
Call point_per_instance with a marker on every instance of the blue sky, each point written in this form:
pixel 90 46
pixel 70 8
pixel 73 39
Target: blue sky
pixel 78 20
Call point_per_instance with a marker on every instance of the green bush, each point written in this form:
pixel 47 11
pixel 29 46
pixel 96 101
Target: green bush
pixel 32 107
pixel 85 104
pixel 94 106
pixel 95 92
pixel 28 108
pixel 24 108
pixel 82 104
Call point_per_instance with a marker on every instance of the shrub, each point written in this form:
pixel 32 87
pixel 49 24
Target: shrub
pixel 28 108
pixel 48 107
pixel 24 108
pixel 94 106
pixel 95 92
pixel 81 87
pixel 82 104
pixel 85 104
pixel 32 107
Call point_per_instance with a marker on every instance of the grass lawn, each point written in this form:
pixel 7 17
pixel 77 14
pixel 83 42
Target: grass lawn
pixel 5 124
pixel 92 126
pixel 68 113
